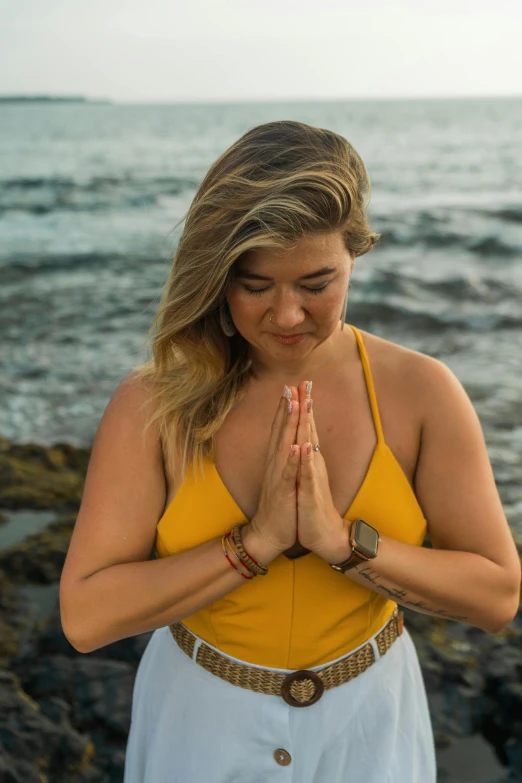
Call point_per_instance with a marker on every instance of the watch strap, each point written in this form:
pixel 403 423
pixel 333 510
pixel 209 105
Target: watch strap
pixel 356 556
pixel 352 561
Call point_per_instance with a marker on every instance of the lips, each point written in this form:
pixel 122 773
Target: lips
pixel 294 339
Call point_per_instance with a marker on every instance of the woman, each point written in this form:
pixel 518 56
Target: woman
pixel 324 455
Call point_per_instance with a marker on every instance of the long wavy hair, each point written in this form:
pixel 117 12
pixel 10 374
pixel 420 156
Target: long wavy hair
pixel 278 182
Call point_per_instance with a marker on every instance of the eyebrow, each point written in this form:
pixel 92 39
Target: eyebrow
pixel 325 270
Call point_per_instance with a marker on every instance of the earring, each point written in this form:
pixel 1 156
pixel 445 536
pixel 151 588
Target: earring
pixel 227 324
pixel 345 305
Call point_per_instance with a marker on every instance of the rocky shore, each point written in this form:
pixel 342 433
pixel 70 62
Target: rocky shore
pixel 65 716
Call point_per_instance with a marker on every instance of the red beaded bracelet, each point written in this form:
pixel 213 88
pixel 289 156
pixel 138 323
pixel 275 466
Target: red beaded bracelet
pixel 223 546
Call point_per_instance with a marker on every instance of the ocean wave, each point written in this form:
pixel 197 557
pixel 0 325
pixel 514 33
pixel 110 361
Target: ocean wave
pixel 487 245
pixel 510 214
pixel 492 246
pixel 42 195
pixel 406 236
pixel 23 266
pixel 29 183
pixel 368 314
pixel 456 288
pixel 468 287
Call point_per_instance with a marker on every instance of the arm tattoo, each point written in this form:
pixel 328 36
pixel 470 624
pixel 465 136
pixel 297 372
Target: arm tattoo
pixel 400 596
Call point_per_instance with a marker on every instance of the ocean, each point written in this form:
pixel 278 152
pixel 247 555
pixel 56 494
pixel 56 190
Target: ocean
pixel 90 195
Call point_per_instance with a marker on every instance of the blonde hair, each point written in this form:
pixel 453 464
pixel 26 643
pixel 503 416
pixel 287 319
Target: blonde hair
pixel 279 181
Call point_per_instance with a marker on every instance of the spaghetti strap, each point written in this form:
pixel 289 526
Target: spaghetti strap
pixel 369 385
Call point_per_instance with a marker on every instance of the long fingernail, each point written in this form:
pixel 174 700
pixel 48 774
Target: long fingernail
pixel 308 388
pixel 288 393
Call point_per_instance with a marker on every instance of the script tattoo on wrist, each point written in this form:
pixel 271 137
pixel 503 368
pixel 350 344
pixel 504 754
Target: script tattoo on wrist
pixel 400 595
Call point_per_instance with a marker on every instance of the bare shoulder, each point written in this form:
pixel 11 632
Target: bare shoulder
pixel 392 355
pixel 123 435
pixel 124 490
pixel 406 374
pixel 126 416
pixel 131 398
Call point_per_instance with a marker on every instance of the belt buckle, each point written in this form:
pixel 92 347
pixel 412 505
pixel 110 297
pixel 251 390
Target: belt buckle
pixel 301 674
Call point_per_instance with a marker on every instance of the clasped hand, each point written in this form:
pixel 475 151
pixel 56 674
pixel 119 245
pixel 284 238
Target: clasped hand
pixel 320 527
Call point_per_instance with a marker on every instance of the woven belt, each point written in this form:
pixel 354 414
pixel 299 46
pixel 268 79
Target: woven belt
pixel 299 688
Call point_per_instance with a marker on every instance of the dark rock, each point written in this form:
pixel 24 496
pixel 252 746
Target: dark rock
pixel 34 745
pixel 50 640
pixel 58 456
pixel 91 693
pixel 33 476
pixel 469 760
pixel 473 680
pixel 39 558
pixel 16 620
pixel 98 690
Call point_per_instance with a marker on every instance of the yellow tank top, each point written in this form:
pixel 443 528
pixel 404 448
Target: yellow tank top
pixel 302 613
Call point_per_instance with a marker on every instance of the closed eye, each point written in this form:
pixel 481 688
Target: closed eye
pixel 307 288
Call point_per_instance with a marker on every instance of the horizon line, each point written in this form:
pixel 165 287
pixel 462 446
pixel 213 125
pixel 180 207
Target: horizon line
pixel 17 97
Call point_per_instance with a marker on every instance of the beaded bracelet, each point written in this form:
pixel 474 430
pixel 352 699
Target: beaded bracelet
pixel 249 561
pixel 230 543
pixel 223 547
pixel 251 565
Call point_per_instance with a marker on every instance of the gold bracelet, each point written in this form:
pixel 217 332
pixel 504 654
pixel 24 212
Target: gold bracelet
pixel 252 564
pixel 232 547
pixel 244 562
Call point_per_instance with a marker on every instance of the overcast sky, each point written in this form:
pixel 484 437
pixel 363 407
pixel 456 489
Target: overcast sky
pixel 206 50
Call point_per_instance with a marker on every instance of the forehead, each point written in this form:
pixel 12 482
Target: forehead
pixel 309 254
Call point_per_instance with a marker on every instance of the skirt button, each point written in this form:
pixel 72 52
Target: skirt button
pixel 282 757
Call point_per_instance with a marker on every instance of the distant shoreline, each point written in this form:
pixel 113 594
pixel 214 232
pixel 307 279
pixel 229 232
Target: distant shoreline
pixel 50 99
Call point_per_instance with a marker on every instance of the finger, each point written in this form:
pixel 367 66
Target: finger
pixel 313 429
pixel 306 462
pixel 288 430
pixel 292 464
pixel 307 396
pixel 278 424
pixel 303 431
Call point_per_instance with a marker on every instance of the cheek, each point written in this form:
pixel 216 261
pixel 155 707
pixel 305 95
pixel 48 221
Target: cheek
pixel 329 304
pixel 245 304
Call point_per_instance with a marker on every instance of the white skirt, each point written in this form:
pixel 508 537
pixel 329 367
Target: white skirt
pixel 190 726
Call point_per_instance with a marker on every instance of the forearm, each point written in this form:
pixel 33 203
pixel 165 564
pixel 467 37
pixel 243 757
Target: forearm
pixel 460 586
pixel 132 598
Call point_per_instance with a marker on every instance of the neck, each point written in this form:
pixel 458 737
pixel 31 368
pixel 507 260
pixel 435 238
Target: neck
pixel 299 364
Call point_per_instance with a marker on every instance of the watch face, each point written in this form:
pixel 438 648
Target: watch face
pixel 366 537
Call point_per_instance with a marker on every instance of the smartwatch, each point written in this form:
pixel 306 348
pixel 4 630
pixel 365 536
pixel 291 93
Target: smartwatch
pixel 364 541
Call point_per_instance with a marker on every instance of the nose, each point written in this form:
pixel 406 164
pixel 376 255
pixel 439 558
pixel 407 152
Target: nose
pixel 287 314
